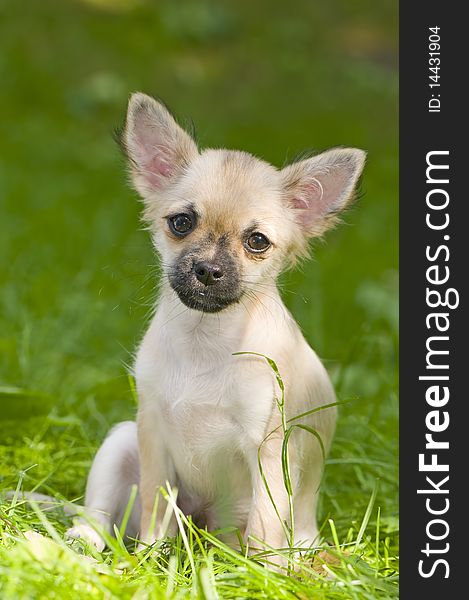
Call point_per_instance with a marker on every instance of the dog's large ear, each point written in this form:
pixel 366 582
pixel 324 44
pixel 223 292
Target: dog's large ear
pixel 319 188
pixel 158 149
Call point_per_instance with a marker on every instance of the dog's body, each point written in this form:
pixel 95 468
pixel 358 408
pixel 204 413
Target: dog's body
pixel 225 224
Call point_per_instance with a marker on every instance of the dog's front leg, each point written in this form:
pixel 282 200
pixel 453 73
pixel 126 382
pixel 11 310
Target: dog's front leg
pixel 155 470
pixel 269 508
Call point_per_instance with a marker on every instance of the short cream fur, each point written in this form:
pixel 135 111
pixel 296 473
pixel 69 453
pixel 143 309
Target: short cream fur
pixel 204 410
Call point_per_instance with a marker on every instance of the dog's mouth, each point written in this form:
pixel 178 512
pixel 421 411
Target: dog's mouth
pixel 204 300
pixel 204 286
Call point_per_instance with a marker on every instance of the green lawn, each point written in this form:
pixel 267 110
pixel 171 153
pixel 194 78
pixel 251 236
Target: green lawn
pixel 78 275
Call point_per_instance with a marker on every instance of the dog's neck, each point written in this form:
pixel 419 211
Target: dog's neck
pixel 228 326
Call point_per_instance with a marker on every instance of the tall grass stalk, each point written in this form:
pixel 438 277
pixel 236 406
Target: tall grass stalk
pixel 286 430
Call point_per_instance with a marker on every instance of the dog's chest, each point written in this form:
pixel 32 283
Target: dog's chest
pixel 206 403
pixel 223 405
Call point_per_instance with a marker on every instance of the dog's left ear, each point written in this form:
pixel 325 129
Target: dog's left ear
pixel 319 188
pixel 158 149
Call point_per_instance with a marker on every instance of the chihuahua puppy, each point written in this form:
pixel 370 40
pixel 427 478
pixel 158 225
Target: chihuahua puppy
pixel 224 224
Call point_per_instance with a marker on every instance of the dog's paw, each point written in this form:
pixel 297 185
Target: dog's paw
pixel 146 545
pixel 88 534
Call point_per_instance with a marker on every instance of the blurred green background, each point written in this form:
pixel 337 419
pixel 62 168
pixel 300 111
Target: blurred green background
pixel 77 271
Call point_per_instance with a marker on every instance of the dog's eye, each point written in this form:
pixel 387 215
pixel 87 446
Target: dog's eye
pixel 257 242
pixel 180 224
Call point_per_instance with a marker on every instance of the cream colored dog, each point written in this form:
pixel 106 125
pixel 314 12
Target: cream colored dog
pixel 224 224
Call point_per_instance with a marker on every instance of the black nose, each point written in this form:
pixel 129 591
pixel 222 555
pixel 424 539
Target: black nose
pixel 208 273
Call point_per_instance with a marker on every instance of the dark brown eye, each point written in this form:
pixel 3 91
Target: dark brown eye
pixel 257 242
pixel 181 224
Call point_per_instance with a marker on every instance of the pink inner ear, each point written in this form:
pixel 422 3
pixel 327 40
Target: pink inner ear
pixel 153 163
pixel 151 146
pixel 308 201
pixel 319 196
pixel 156 169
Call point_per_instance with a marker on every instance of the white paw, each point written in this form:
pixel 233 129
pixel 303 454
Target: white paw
pixel 88 534
pixel 145 545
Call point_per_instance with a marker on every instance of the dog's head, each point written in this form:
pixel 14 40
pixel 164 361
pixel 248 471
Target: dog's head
pixel 226 222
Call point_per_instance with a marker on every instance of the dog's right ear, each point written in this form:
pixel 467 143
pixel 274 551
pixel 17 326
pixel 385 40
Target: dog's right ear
pixel 158 149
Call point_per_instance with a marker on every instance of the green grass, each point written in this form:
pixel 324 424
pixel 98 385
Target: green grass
pixel 77 273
